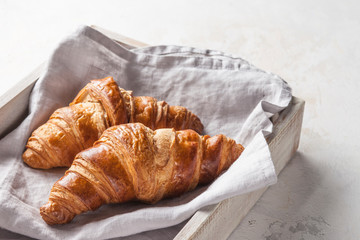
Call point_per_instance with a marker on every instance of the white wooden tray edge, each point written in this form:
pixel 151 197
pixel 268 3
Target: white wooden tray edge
pixel 14 102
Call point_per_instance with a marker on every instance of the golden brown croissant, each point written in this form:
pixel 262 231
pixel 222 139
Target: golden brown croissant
pixel 99 105
pixel 132 162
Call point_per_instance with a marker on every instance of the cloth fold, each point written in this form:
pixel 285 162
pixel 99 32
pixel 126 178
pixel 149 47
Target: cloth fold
pixel 230 96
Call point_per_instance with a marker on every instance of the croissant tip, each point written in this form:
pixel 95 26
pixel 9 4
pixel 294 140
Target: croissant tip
pixel 53 213
pixel 197 125
pixel 109 78
pixel 238 149
pixel 32 159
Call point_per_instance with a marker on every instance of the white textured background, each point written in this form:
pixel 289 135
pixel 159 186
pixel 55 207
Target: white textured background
pixel 314 45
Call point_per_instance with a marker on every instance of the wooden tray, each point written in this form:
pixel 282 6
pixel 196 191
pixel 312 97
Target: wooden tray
pixel 212 222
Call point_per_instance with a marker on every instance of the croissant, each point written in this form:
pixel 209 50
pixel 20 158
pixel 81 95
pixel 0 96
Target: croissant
pixel 99 105
pixel 133 162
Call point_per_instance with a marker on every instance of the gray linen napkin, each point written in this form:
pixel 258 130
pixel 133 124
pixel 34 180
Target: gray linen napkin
pixel 229 95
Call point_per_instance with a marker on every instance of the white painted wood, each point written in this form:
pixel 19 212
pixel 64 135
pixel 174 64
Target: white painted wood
pixel 212 222
pixel 14 103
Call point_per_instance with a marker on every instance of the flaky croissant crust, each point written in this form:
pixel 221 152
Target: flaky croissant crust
pixel 99 105
pixel 133 162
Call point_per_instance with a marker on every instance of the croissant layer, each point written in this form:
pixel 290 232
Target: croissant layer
pixel 133 162
pixel 99 105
